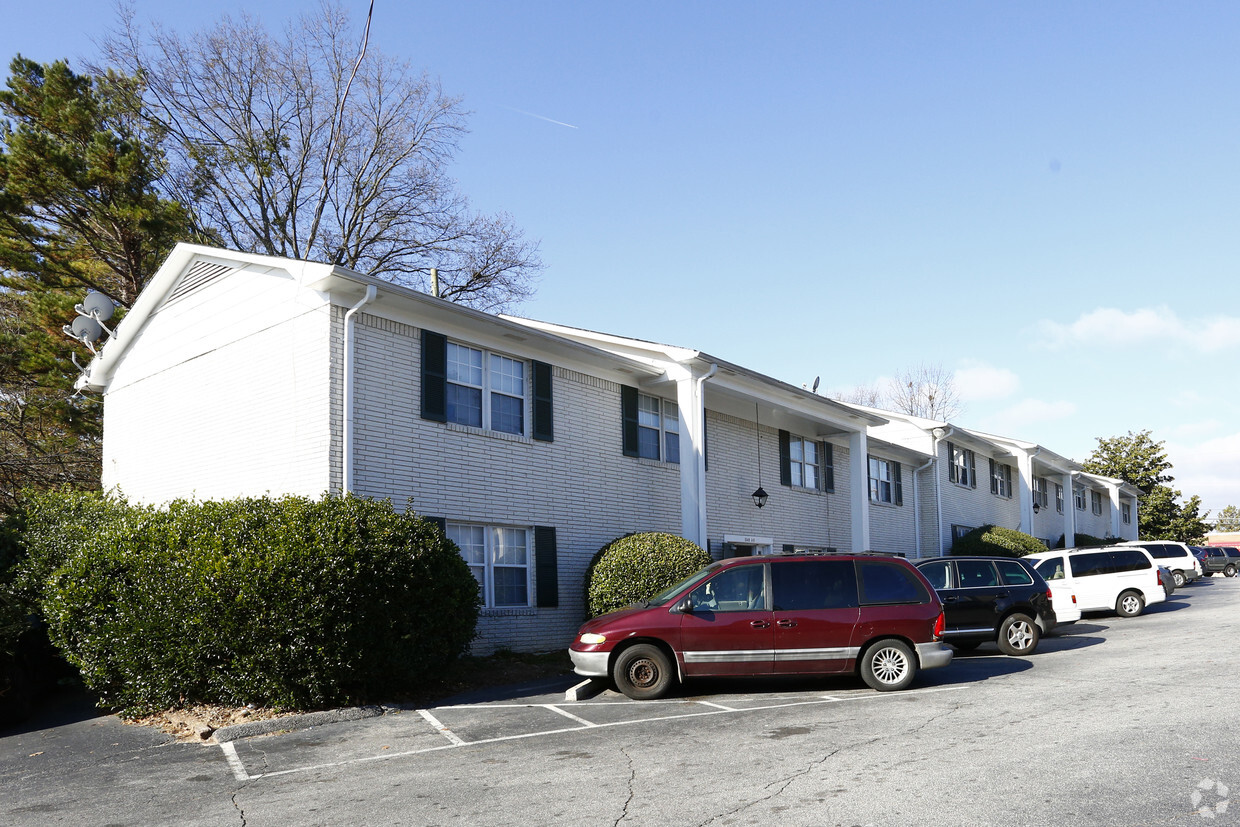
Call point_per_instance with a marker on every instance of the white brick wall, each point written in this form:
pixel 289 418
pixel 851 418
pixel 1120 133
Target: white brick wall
pixel 223 394
pixel 975 507
pixel 892 527
pixel 581 483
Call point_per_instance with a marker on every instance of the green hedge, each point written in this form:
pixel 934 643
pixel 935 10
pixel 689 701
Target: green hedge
pixel 291 602
pixel 996 541
pixel 1089 541
pixel 637 566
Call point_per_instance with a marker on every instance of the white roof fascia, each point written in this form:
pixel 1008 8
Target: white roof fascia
pixel 895 449
pixel 1038 453
pixel 958 434
pixel 741 381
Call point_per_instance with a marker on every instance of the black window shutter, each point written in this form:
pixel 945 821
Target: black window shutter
pixel 972 470
pixel 705 444
pixel 434 376
pixel 828 466
pixel 628 415
pixel 441 522
pixel 897 485
pixel 544 430
pixel 546 564
pixel 785 458
pixel 994 483
pixel 952 474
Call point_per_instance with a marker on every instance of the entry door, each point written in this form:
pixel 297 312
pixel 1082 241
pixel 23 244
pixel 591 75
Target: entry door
pixel 815 610
pixel 728 632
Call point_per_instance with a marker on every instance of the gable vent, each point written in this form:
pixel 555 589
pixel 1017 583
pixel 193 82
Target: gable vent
pixel 198 277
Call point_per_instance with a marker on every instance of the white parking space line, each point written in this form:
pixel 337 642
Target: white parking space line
pixel 234 762
pixel 239 769
pixel 570 716
pixel 447 733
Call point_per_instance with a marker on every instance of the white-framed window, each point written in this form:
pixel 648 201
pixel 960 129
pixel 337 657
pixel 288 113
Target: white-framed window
pixel 1058 499
pixel 1126 512
pixel 1000 479
pixel 1095 501
pixel 959 531
pixel 881 490
pixel 1078 497
pixel 485 390
pixel 962 466
pixel 1039 492
pixel 804 461
pixel 499 558
pixel 658 428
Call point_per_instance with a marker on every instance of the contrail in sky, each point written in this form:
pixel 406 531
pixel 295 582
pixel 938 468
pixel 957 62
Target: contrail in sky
pixel 540 117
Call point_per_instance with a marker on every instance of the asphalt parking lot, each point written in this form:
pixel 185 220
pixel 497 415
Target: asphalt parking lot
pixel 1112 722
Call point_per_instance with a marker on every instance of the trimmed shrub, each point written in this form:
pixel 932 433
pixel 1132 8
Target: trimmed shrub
pixel 289 602
pixel 1089 541
pixel 637 566
pixel 996 541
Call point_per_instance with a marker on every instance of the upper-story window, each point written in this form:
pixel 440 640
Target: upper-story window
pixel 1039 492
pixel 650 426
pixel 962 466
pixel 485 390
pixel 1126 511
pixel 885 481
pixel 1058 498
pixel 803 461
pixel 1000 479
pixel 1078 497
pixel 478 388
pixel 1095 501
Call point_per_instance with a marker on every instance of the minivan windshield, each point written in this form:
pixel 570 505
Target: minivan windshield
pixel 673 590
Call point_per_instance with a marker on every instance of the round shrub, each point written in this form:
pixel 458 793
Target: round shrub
pixel 1089 541
pixel 289 602
pixel 996 541
pixel 637 566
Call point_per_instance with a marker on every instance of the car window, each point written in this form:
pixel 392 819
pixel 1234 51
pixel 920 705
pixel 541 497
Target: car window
pixel 1129 561
pixel 1088 565
pixel 1161 550
pixel 889 583
pixel 1013 573
pixel 1231 552
pixel 939 573
pixel 806 585
pixel 976 574
pixel 1051 568
pixel 739 589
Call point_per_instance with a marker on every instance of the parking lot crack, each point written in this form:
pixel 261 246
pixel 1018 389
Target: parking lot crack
pixel 624 812
pixel 237 807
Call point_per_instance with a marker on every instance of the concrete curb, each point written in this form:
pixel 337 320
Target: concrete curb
pixel 293 722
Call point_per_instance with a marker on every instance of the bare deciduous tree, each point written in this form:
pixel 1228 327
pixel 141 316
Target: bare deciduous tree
pixel 872 396
pixel 926 390
pixel 313 146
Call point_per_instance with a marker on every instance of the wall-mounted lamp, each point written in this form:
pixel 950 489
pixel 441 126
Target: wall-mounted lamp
pixel 1036 508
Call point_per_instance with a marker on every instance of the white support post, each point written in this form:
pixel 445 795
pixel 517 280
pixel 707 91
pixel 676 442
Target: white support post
pixel 859 483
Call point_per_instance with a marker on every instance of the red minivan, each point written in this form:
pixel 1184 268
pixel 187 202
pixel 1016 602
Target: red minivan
pixel 774 615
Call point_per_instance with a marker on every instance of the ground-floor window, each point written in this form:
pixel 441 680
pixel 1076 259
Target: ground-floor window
pixel 499 558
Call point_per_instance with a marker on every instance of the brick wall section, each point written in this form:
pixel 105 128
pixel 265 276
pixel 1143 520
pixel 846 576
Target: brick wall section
pixel 974 507
pixel 795 516
pixel 581 483
pixel 892 527
pixel 224 394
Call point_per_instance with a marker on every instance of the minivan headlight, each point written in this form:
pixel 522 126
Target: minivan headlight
pixel 592 638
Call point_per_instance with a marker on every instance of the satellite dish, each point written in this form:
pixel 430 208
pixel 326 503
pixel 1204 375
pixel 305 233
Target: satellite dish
pixel 85 329
pixel 815 388
pixel 96 305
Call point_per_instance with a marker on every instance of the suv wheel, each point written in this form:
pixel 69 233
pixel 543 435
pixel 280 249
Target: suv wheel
pixel 1018 635
pixel 1130 604
pixel 642 672
pixel 1178 577
pixel 1230 571
pixel 889 664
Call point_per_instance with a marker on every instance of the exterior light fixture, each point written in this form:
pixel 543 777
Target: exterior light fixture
pixel 1036 508
pixel 759 497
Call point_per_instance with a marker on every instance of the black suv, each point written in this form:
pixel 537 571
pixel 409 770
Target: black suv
pixel 1218 558
pixel 991 598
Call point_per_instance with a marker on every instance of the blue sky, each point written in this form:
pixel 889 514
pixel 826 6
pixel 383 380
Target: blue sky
pixel 1041 197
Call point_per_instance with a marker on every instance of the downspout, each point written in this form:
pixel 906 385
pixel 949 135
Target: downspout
pixel 346 487
pixel 917 506
pixel 938 488
pixel 700 393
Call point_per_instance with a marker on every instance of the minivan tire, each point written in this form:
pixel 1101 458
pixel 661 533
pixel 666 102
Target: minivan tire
pixel 1129 604
pixel 1178 577
pixel 888 665
pixel 1018 635
pixel 643 672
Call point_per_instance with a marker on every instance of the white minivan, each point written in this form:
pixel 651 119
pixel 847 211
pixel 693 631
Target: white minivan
pixel 1124 579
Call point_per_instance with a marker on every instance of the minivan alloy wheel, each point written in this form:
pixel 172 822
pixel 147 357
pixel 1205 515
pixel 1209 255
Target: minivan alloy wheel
pixel 889 664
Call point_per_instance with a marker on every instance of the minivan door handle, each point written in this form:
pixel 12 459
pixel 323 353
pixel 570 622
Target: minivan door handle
pixel 760 624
